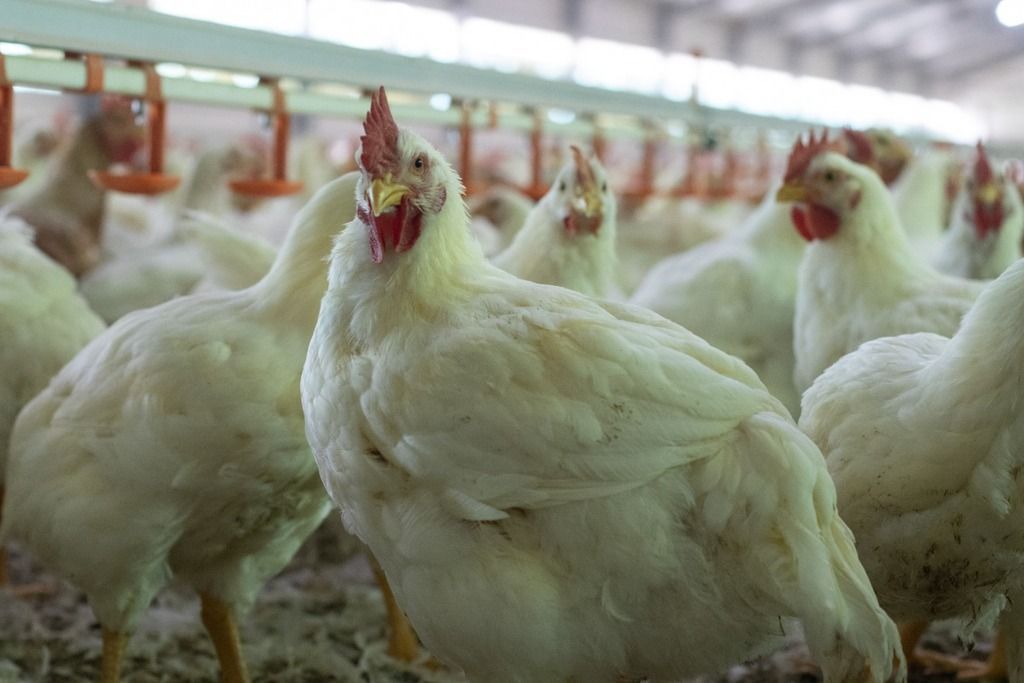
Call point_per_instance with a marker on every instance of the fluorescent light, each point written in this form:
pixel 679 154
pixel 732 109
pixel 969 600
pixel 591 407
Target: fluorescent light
pixel 1010 12
pixel 441 101
pixel 561 116
pixel 12 49
pixel 245 80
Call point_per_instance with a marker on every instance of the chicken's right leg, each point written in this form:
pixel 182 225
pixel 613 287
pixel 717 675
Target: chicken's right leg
pixel 219 620
pixel 402 641
pixel 113 652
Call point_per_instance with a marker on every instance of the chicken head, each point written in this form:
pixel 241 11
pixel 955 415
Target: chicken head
pixel 985 187
pixel 579 197
pixel 817 179
pixel 402 180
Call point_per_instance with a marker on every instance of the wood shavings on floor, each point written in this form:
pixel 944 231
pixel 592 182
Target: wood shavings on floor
pixel 321 621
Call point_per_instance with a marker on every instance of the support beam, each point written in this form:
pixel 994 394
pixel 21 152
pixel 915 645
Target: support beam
pixel 1014 50
pixel 884 13
pixel 663 15
pixel 736 34
pixel 572 17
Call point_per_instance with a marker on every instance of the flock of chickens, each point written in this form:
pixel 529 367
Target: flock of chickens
pixel 566 467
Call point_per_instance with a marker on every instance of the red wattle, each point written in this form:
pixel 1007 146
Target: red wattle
pixel 987 219
pixel 799 218
pixel 398 228
pixel 824 223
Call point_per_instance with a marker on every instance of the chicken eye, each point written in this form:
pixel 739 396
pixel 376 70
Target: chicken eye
pixel 561 186
pixel 830 176
pixel 604 187
pixel 419 163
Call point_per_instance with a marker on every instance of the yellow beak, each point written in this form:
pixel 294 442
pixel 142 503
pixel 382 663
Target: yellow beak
pixel 384 194
pixel 591 202
pixel 791 192
pixel 988 193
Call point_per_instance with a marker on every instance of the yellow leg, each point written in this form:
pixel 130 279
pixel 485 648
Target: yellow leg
pixel 113 651
pixel 402 641
pixel 219 621
pixel 995 668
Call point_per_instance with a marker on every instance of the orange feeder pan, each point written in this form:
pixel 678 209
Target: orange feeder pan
pixel 156 181
pixel 9 177
pixel 278 185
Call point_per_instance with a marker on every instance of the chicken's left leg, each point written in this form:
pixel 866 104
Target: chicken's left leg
pixel 219 620
pixel 402 643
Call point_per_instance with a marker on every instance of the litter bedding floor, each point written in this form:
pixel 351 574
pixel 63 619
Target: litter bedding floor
pixel 321 621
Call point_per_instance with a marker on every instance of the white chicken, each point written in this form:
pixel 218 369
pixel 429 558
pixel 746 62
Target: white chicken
pixel 562 488
pixel 922 436
pixel 131 277
pixel 985 232
pixel 739 294
pixel 66 211
pixel 569 236
pixel 43 324
pixel 922 196
pixel 881 150
pixel 860 278
pixel 173 444
pixel 505 207
pixel 667 225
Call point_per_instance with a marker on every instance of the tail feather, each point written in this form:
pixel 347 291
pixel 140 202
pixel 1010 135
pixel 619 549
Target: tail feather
pixel 813 568
pixel 233 259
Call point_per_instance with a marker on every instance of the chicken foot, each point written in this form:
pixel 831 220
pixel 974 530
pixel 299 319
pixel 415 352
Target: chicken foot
pixel 219 620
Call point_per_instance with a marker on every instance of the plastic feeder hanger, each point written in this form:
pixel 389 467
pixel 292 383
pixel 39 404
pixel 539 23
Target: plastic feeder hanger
pixel 466 150
pixel 537 188
pixel 156 181
pixel 9 177
pixel 278 185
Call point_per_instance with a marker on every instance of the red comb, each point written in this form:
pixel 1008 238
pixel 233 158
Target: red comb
pixel 380 138
pixel 804 153
pixel 983 172
pixel 860 147
pixel 584 171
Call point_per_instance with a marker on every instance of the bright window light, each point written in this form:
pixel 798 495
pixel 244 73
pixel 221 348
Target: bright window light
pixel 680 75
pixel 907 112
pixel 767 92
pixel 947 120
pixel 278 16
pixel 1010 12
pixel 865 106
pixel 390 26
pixel 718 83
pixel 822 100
pixel 618 66
pixel 496 45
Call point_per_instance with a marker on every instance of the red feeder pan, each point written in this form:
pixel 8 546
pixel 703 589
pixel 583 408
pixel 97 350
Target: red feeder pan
pixel 278 185
pixel 156 181
pixel 9 177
